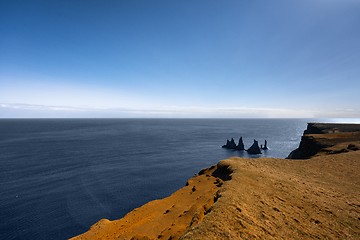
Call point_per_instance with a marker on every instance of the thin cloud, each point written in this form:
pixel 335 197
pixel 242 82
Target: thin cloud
pixel 166 111
pixel 26 110
pixel 36 107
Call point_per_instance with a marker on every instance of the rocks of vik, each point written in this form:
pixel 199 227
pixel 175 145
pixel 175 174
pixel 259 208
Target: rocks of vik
pixel 263 198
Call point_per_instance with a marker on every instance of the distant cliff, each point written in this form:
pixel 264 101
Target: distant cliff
pixel 325 128
pixel 326 138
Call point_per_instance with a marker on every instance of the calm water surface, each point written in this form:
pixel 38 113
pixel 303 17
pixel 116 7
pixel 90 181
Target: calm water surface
pixel 60 176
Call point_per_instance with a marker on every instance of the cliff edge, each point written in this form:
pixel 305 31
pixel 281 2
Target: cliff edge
pixel 327 138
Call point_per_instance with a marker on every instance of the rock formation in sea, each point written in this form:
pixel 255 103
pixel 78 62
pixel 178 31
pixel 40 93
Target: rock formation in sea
pixel 265 146
pixel 227 144
pixel 240 146
pixel 230 144
pixel 254 149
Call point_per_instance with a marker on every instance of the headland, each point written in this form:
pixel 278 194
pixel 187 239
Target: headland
pixel 317 197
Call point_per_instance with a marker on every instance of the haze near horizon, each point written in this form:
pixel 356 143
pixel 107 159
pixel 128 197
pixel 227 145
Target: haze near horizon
pixel 180 58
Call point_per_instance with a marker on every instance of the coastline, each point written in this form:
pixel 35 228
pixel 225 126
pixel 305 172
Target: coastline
pixel 257 198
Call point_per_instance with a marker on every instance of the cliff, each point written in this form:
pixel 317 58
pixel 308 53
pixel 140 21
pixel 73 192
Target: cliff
pixel 260 198
pixel 327 128
pixel 321 138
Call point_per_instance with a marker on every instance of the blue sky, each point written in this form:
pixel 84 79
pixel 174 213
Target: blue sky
pixel 180 58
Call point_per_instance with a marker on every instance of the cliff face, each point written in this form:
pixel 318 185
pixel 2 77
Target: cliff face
pixel 308 147
pixel 323 138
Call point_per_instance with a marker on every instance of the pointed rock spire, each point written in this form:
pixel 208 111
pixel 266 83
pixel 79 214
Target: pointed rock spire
pixel 230 144
pixel 265 146
pixel 254 149
pixel 240 146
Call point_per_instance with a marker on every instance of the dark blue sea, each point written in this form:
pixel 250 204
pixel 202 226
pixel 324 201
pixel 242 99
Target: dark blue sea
pixel 60 176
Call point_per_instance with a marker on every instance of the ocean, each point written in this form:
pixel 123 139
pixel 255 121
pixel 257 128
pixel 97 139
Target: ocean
pixel 60 176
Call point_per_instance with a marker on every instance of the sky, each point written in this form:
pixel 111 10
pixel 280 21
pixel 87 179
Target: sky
pixel 188 58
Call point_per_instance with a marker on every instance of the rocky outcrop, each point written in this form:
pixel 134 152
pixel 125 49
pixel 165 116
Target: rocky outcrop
pixel 240 146
pixel 308 147
pixel 265 146
pixel 254 149
pixel 230 144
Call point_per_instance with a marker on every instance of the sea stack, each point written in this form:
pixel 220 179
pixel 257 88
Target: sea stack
pixel 230 144
pixel 265 146
pixel 240 146
pixel 254 149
